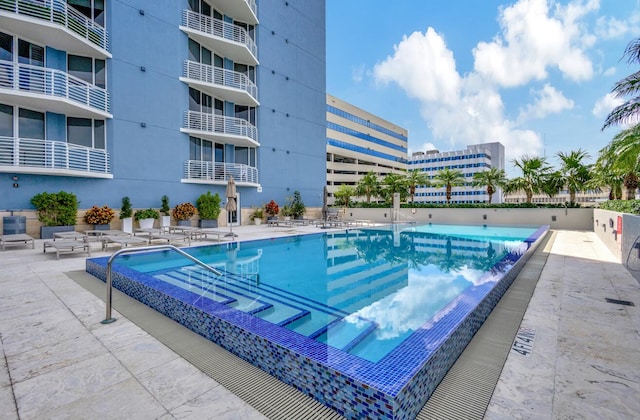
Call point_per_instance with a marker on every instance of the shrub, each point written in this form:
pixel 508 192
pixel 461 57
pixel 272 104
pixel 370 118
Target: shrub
pixel 125 210
pixel 257 213
pixel 164 208
pixel 622 206
pixel 56 209
pixel 184 211
pixel 146 214
pixel 209 206
pixel 99 215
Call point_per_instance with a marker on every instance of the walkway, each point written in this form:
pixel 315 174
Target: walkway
pixel 58 361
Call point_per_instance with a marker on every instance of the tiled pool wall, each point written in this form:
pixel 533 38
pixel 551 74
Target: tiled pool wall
pixel 304 363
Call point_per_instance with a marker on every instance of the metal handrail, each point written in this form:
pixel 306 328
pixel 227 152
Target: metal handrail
pixel 108 319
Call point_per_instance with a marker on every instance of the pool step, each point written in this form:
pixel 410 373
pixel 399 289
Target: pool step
pixel 346 333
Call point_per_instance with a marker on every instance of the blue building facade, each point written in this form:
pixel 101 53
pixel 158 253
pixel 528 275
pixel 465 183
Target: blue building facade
pixel 107 99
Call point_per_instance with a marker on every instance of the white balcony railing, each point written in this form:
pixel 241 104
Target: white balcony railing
pixel 219 76
pixel 219 29
pixel 220 171
pixel 220 125
pixel 55 156
pixel 59 13
pixel 52 82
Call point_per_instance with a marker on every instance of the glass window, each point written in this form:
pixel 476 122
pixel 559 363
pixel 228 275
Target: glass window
pixel 242 155
pixel 101 74
pixel 194 148
pixel 194 51
pixel 79 131
pixel 6 47
pixel 30 124
pixel 80 67
pixel 29 53
pixel 92 9
pixel 99 135
pixel 219 152
pixel 6 120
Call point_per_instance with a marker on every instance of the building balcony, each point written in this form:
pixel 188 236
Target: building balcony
pixel 47 157
pixel 221 83
pixel 46 89
pixel 197 171
pixel 224 38
pixel 229 130
pixel 54 23
pixel 243 10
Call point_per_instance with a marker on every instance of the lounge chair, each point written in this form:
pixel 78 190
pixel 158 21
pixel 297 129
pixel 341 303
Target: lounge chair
pixel 16 239
pixel 123 240
pixel 170 237
pixel 68 246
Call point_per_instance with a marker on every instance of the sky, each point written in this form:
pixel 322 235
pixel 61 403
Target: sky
pixel 535 75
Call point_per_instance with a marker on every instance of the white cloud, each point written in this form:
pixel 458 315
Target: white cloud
pixel 422 148
pixel 548 101
pixel 609 72
pixel 604 105
pixel 358 73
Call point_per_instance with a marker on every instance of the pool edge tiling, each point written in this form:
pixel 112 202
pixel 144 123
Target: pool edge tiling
pixel 393 388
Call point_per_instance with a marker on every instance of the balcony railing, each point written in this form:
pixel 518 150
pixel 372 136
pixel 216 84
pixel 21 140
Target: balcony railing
pixel 53 156
pixel 220 125
pixel 218 76
pixel 219 29
pixel 52 82
pixel 59 13
pixel 220 171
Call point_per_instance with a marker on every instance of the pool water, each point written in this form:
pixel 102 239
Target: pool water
pixel 377 302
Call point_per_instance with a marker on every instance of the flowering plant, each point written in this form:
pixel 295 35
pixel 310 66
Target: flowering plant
pixel 99 215
pixel 184 211
pixel 271 208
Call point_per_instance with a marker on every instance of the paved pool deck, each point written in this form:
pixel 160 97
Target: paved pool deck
pixel 58 361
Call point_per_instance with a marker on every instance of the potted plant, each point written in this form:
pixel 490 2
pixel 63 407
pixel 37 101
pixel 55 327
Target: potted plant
pixel 286 210
pixel 272 209
pixel 126 214
pixel 99 217
pixel 165 219
pixel 183 212
pixel 56 211
pixel 256 215
pixel 146 218
pixel 297 206
pixel 209 209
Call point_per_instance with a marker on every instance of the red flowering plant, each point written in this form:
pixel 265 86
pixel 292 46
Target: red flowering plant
pixel 271 208
pixel 99 215
pixel 184 211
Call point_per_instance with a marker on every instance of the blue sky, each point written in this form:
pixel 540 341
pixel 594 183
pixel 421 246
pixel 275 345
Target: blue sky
pixel 535 75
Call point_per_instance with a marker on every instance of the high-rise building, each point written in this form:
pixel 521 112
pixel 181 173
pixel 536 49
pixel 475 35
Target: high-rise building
pixel 106 98
pixel 359 142
pixel 472 159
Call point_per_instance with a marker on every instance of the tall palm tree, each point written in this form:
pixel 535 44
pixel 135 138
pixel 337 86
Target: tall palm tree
pixel 606 176
pixel 535 170
pixel 449 178
pixel 491 178
pixel 369 186
pixel 394 183
pixel 622 155
pixel 629 86
pixel 574 174
pixel 343 195
pixel 416 177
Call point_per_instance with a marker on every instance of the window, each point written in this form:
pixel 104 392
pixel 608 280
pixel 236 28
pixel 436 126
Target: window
pixel 6 120
pixel 86 132
pixel 199 102
pixel 29 53
pixel 200 6
pixel 198 53
pixel 6 47
pixel 92 9
pixel 247 113
pixel 30 124
pixel 248 71
pixel 90 70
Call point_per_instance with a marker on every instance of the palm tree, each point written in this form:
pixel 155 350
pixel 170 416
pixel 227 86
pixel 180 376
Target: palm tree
pixel 394 183
pixel 343 195
pixel 491 178
pixel 573 173
pixel 606 176
pixel 534 173
pixel 629 86
pixel 369 186
pixel 416 177
pixel 622 155
pixel 449 178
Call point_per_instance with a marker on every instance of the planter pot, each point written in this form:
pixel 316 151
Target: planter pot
pixel 257 221
pixel 105 226
pixel 127 224
pixel 287 218
pixel 272 218
pixel 207 224
pixel 165 221
pixel 184 222
pixel 299 218
pixel 46 232
pixel 146 223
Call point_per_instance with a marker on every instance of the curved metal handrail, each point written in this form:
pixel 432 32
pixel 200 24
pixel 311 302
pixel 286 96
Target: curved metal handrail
pixel 108 319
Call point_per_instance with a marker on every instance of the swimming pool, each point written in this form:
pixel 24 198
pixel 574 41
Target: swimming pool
pixel 367 321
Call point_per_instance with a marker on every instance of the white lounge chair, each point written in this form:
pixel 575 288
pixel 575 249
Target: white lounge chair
pixel 67 246
pixel 16 239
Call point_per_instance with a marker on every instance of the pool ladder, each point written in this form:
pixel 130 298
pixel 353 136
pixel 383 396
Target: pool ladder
pixel 109 319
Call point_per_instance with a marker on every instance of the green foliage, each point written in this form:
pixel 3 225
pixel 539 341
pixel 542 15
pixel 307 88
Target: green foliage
pixel 125 209
pixel 343 195
pixel 622 206
pixel 295 206
pixel 256 213
pixel 146 214
pixel 164 208
pixel 56 209
pixel 209 206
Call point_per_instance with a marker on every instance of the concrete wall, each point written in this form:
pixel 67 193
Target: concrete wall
pixel 606 226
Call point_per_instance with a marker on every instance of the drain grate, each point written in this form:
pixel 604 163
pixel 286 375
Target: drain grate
pixel 620 302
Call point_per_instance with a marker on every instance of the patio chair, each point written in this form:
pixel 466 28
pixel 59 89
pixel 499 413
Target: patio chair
pixel 67 246
pixel 16 239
